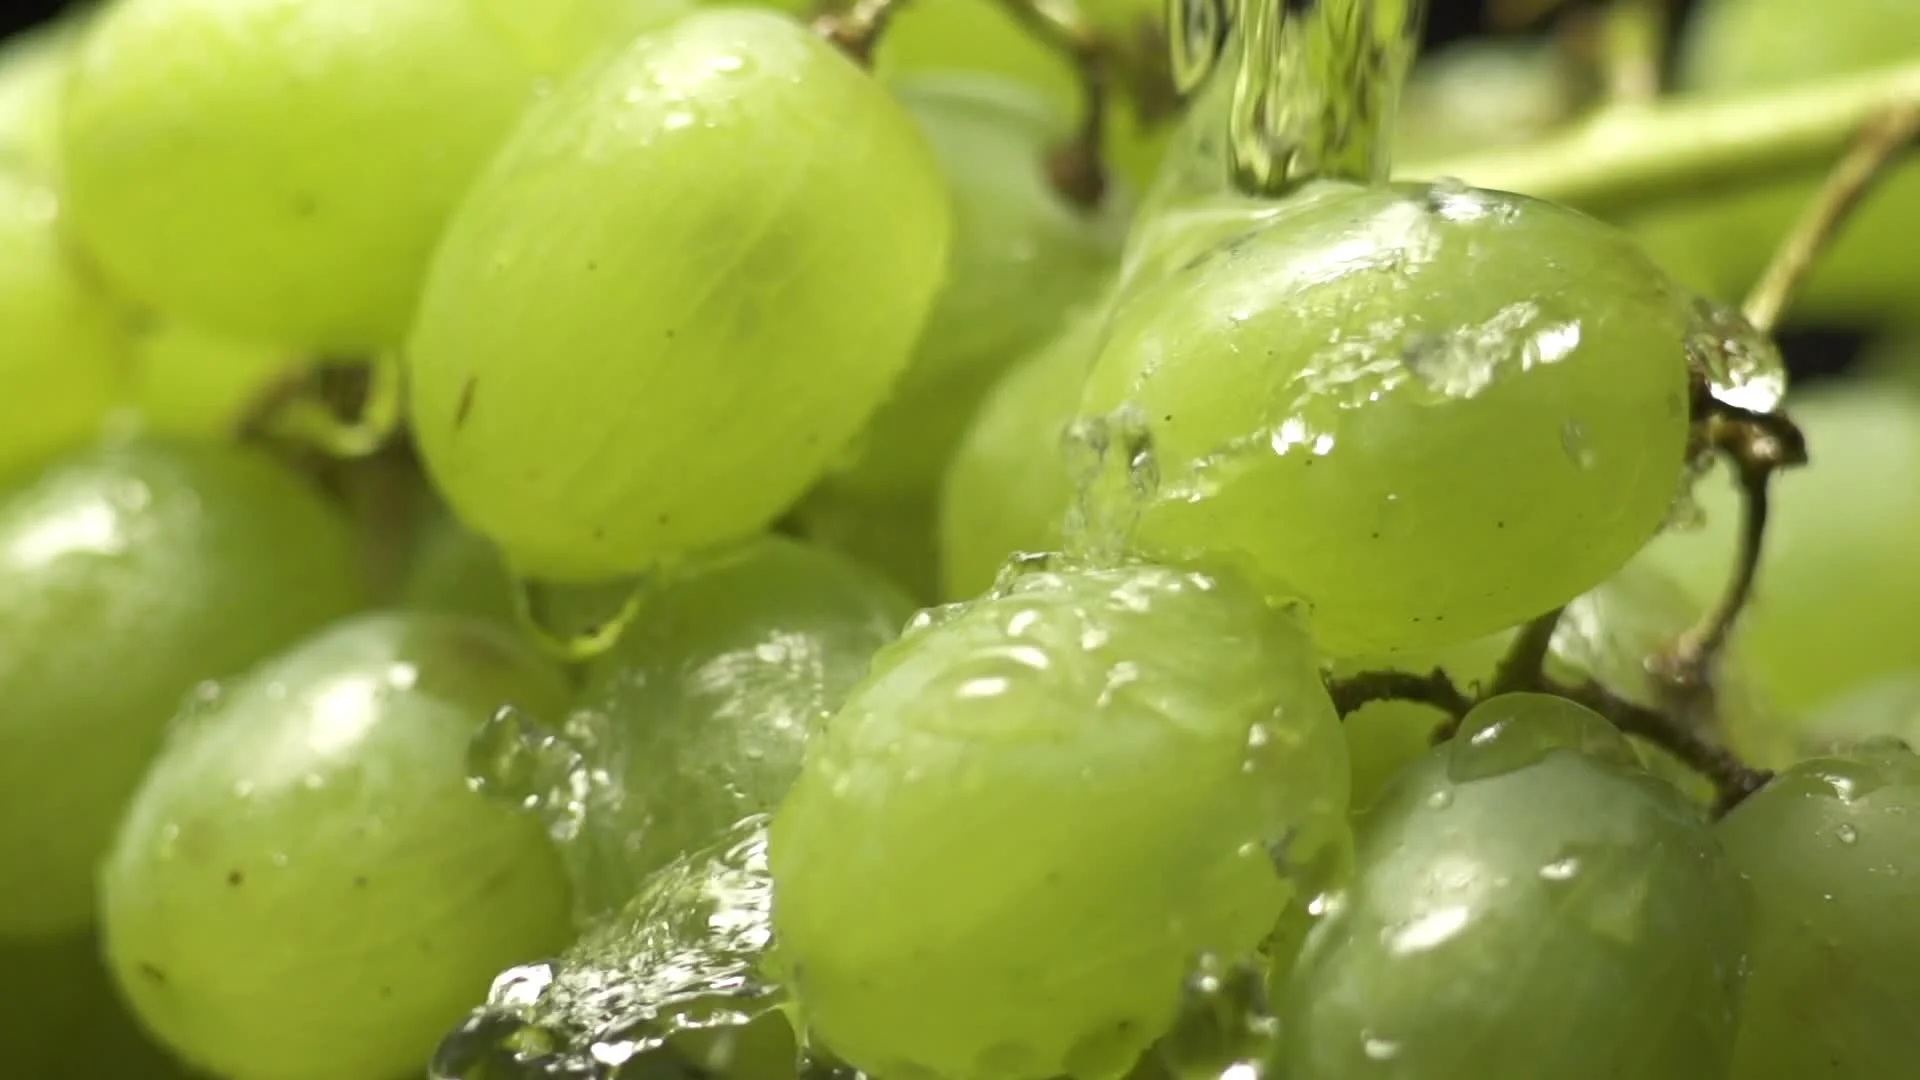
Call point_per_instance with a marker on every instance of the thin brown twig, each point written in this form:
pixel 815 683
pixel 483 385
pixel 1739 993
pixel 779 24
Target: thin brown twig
pixel 1732 778
pixel 1524 664
pixel 1878 146
pixel 1078 166
pixel 1351 693
pixel 858 28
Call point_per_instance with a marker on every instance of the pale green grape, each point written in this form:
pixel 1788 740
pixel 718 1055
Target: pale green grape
pixel 1428 411
pixel 304 886
pixel 896 536
pixel 1736 46
pixel 983 36
pixel 1022 257
pixel 1886 708
pixel 62 1019
pixel 1008 487
pixel 190 384
pixel 671 984
pixel 129 575
pixel 32 67
pixel 679 291
pixel 63 342
pixel 699 715
pixel 1829 847
pixel 1486 92
pixel 1006 848
pixel 1528 902
pixel 296 159
pixel 1838 598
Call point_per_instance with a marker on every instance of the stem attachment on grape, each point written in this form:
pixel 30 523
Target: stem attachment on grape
pixel 857 29
pixel 1733 780
pixel 304 415
pixel 1878 147
pixel 564 645
pixel 1077 167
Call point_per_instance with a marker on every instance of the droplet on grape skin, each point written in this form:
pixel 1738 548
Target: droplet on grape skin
pixel 1356 402
pixel 1042 806
pixel 1829 847
pixel 597 405
pixel 1527 901
pixel 304 887
pixel 676 980
pixel 130 574
pixel 700 714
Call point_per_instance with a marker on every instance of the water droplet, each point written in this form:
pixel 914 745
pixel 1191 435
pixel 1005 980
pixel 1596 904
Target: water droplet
pixel 1197 36
pixel 1115 475
pixel 1573 440
pixel 1513 731
pixel 1561 869
pixel 1743 366
pixel 1439 798
pixel 1224 1029
pixel 1846 834
pixel 517 759
pixel 1379 1049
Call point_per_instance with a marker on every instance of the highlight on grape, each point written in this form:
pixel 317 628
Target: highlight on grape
pixel 960 540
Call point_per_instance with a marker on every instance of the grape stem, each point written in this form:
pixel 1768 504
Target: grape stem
pixel 1733 780
pixel 1078 166
pixel 1524 665
pixel 1352 693
pixel 1626 155
pixel 857 29
pixel 1878 147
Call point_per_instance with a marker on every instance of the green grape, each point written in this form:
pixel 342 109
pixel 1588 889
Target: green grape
pixel 1829 847
pixel 1736 46
pixel 1886 708
pixel 671 984
pixel 1483 93
pixel 297 159
pixel 454 571
pixel 304 886
pixel 190 384
pixel 1837 602
pixel 129 575
pixel 896 536
pixel 63 342
pixel 32 67
pixel 1528 902
pixel 63 1020
pixel 699 715
pixel 1428 411
pixel 1022 257
pixel 984 36
pixel 1008 487
pixel 597 404
pixel 1043 805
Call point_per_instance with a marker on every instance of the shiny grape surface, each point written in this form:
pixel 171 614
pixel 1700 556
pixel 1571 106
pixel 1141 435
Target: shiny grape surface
pixel 1009 486
pixel 700 715
pixel 1829 849
pixel 312 151
pixel 724 361
pixel 129 575
pixel 1527 901
pixel 1326 392
pixel 1044 804
pixel 305 886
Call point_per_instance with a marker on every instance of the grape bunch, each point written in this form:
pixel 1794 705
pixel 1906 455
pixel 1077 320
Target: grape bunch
pixel 959 540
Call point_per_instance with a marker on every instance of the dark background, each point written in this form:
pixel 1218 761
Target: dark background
pixel 1811 353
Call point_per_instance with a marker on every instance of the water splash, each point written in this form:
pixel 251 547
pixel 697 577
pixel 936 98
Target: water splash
pixel 1115 475
pixel 519 759
pixel 1741 364
pixel 1315 90
pixel 670 986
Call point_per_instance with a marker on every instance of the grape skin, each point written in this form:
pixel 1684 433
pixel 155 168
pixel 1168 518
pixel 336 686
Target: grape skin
pixel 129 574
pixel 1828 848
pixel 304 887
pixel 1528 902
pixel 1043 805
pixel 616 361
pixel 699 716
pixel 1007 488
pixel 1428 411
pixel 297 158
